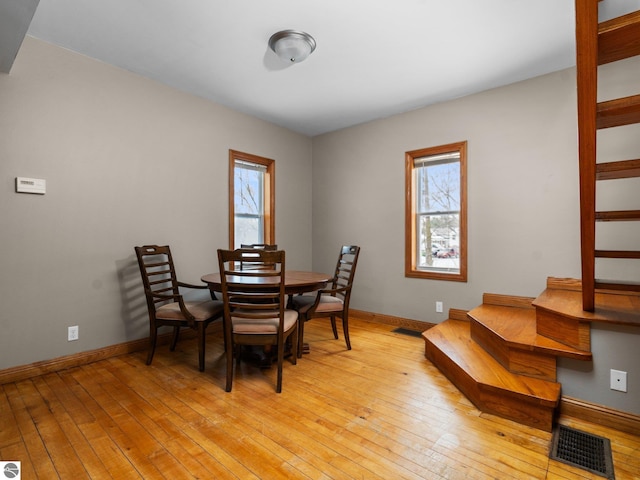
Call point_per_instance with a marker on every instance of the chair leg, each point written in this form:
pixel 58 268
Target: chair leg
pixel 294 346
pixel 333 327
pixel 201 343
pixel 224 326
pixel 230 352
pixel 153 338
pixel 280 361
pixel 174 340
pixel 301 322
pixel 345 329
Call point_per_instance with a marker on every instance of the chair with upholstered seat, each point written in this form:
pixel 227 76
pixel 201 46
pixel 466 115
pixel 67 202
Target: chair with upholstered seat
pixel 333 301
pixel 255 306
pixel 166 304
pixel 259 246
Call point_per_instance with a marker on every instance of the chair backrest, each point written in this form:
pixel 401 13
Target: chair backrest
pixel 253 294
pixel 261 246
pixel 245 265
pixel 346 270
pixel 158 274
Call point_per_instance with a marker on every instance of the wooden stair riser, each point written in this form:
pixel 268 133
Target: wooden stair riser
pixel 516 360
pixel 453 372
pixel 525 413
pixel 507 300
pixel 502 403
pixel 570 331
pixel 534 364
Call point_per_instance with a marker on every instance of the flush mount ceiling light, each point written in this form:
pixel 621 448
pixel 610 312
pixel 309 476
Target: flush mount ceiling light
pixel 292 46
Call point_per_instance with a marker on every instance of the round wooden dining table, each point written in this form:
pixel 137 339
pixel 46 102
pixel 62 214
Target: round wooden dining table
pixel 295 281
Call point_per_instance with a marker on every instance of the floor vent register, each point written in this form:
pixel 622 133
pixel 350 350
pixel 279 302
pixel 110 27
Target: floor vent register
pixel 582 450
pixel 406 331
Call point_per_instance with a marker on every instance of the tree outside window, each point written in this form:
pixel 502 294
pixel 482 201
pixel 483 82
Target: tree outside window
pixel 435 218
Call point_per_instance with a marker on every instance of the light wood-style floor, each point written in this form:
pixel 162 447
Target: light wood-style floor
pixel 379 411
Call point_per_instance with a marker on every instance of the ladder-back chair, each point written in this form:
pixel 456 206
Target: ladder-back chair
pixel 165 303
pixel 332 301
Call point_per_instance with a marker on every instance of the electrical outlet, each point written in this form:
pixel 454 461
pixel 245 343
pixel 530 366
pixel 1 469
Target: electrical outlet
pixel 72 333
pixel 618 380
pixel 439 307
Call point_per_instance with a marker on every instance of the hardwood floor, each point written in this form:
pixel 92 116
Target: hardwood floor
pixel 379 411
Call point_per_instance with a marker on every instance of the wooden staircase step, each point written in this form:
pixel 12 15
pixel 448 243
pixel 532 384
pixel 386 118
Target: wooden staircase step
pixel 618 112
pixel 560 313
pixel 619 38
pixel 618 216
pixel 510 335
pixel 485 382
pixel 619 285
pixel 619 169
pixel 633 254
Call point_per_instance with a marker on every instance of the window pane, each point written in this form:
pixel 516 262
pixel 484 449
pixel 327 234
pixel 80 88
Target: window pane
pixel 248 230
pixel 438 187
pixel 249 203
pixel 249 195
pixel 438 242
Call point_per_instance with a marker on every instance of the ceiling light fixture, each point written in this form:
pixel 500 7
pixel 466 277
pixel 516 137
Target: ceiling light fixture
pixel 292 46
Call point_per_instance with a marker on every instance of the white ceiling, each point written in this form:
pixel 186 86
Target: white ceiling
pixel 374 58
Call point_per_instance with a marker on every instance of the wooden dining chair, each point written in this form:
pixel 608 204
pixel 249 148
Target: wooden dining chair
pixel 333 301
pixel 258 246
pixel 261 246
pixel 255 306
pixel 166 304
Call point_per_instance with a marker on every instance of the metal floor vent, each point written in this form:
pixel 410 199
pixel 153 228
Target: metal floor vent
pixel 582 450
pixel 406 331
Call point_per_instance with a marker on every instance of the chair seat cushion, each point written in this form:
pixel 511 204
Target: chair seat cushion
pixel 264 326
pixel 328 303
pixel 200 310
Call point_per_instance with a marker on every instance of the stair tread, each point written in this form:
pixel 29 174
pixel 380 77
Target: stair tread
pixel 619 38
pixel 619 169
pixel 617 215
pixel 517 327
pixel 622 308
pixel 618 112
pixel 453 338
pixel 617 284
pixel 632 254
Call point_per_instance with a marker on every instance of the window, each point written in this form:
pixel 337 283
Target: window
pixel 436 213
pixel 251 199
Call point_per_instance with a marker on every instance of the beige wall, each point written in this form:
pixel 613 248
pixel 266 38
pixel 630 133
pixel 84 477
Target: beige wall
pixel 127 162
pixel 522 195
pixel 523 210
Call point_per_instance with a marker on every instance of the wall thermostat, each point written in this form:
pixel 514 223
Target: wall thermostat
pixel 31 185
